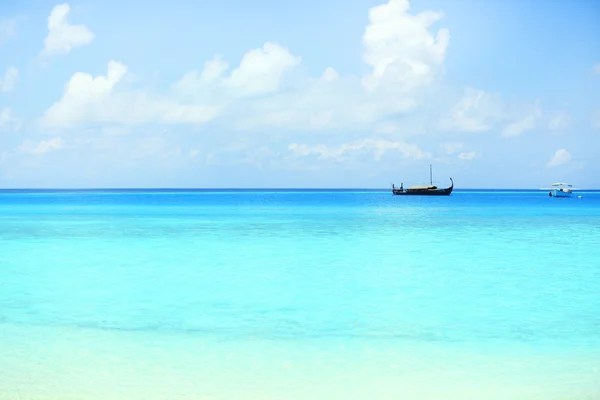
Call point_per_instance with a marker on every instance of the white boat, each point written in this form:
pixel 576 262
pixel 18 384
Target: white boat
pixel 561 189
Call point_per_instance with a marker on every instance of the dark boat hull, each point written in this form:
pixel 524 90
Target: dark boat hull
pixel 437 192
pixel 424 192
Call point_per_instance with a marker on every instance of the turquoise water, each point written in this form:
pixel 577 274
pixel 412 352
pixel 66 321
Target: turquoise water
pixel 309 276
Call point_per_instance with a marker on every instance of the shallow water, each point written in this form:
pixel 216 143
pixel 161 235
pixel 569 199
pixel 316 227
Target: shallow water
pixel 216 294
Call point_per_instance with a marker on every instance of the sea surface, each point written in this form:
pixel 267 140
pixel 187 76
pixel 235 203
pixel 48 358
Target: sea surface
pixel 298 294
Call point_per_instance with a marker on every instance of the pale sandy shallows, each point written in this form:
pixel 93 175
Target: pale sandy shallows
pixel 84 364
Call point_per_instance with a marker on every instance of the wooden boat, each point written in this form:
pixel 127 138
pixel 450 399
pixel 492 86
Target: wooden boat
pixel 430 190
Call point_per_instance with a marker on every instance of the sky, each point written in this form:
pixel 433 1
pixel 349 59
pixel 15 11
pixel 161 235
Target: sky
pixel 306 94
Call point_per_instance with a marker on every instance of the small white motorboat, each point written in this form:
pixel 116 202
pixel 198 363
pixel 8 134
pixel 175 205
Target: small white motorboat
pixel 560 189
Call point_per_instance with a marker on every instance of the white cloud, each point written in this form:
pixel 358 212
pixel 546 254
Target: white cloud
pixel 317 105
pixel 524 124
pixel 8 121
pixel 62 36
pixel 559 121
pixel 205 85
pixel 265 90
pixel 96 99
pixel 213 70
pixel 476 111
pixel 330 74
pixel 400 48
pixel 376 147
pixel 468 156
pixel 42 147
pixel 596 69
pixel 561 157
pixel 404 57
pixel 451 148
pixel 260 72
pixel 479 111
pixel 8 28
pixel 8 82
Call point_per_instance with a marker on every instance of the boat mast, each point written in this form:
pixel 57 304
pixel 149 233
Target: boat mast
pixel 430 176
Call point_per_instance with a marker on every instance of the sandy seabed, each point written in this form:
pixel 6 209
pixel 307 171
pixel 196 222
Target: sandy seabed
pixel 43 363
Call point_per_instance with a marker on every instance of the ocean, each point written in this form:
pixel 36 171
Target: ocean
pixel 298 295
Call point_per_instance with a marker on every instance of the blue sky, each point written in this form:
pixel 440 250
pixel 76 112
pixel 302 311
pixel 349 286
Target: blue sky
pixel 325 93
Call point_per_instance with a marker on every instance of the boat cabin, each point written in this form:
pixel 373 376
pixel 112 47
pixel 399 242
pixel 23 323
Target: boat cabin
pixel 428 187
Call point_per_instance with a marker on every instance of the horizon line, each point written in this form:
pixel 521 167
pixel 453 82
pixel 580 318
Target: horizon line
pixel 263 188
